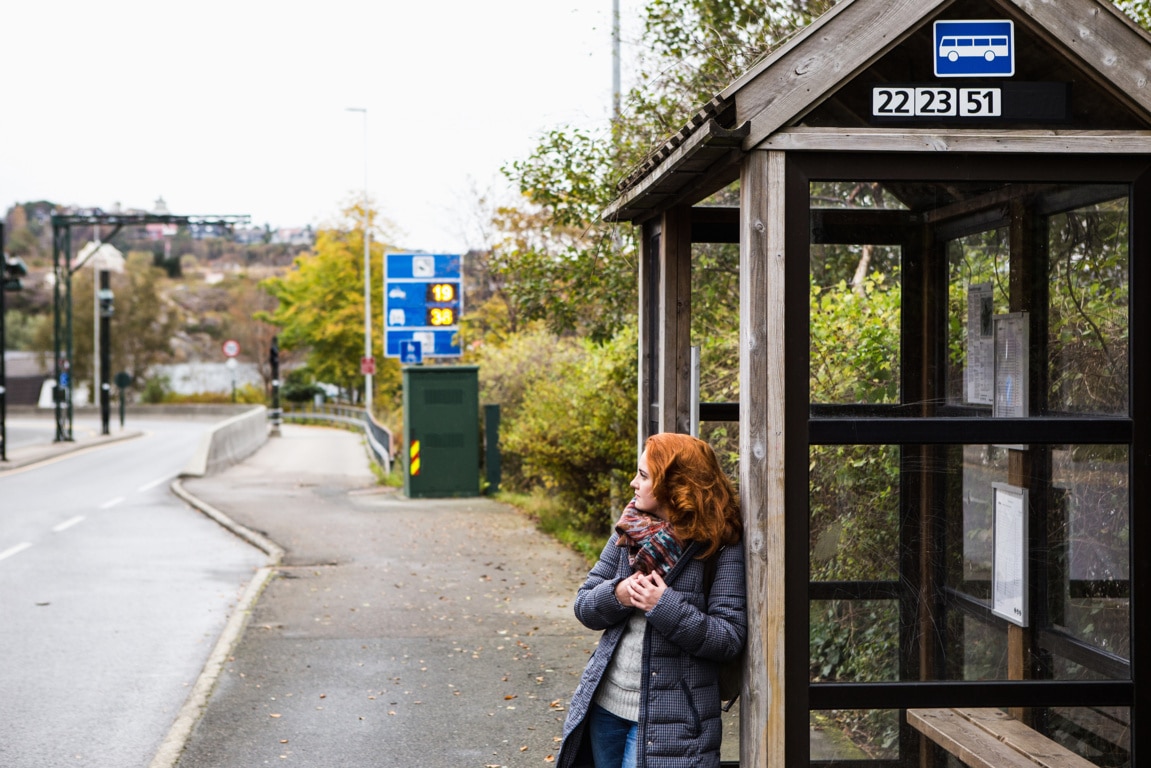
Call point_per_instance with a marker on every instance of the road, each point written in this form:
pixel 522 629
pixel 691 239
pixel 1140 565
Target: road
pixel 112 595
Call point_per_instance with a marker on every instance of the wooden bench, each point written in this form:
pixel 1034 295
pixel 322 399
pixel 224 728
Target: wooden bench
pixel 991 738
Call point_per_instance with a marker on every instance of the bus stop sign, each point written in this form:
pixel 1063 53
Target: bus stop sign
pixel 974 48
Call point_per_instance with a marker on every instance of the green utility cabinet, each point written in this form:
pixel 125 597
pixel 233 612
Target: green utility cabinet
pixel 441 431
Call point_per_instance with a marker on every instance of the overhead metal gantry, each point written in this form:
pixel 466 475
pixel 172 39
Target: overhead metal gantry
pixel 63 269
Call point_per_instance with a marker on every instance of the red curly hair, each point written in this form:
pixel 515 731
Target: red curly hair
pixel 688 482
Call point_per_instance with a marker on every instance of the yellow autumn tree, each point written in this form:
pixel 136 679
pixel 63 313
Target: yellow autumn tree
pixel 320 310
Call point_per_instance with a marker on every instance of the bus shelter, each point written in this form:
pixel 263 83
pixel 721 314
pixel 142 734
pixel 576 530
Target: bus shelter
pixel 968 532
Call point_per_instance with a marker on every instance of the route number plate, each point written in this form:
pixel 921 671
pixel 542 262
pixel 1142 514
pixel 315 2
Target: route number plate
pixel 897 102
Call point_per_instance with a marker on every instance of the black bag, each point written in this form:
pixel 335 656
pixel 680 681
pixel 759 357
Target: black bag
pixel 730 672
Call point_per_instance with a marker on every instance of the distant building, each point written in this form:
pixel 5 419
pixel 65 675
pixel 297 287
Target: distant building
pixel 294 236
pixel 99 256
pixel 25 373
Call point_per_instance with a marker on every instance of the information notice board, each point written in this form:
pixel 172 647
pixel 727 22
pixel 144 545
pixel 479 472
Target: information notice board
pixel 1009 575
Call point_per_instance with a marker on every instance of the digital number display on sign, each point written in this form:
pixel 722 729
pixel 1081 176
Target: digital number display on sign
pixel 442 292
pixel 416 304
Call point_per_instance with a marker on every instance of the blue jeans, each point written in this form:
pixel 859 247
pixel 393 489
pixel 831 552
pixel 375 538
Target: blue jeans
pixel 613 739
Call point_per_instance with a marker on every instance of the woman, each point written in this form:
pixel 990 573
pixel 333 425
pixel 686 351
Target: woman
pixel 668 593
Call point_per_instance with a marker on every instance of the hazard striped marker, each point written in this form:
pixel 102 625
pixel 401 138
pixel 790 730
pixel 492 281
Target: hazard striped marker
pixel 414 464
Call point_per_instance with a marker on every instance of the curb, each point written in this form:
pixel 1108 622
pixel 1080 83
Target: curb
pixel 172 746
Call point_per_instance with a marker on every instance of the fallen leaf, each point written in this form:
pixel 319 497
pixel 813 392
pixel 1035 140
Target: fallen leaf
pixel 509 697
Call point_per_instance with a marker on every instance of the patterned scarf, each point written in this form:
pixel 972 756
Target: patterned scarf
pixel 651 544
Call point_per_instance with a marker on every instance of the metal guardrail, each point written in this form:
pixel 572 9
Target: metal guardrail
pixel 379 437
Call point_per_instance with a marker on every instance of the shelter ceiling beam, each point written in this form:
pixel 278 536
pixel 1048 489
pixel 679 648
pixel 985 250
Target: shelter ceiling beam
pixel 959 140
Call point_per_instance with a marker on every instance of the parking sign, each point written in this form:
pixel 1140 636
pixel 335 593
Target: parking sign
pixel 411 352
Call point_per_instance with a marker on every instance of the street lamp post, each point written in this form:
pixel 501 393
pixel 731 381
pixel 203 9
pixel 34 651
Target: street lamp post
pixel 367 274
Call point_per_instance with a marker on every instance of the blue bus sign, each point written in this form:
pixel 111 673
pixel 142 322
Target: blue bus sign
pixel 974 48
pixel 423 298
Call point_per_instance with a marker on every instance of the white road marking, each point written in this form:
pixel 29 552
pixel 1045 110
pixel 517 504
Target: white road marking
pixel 15 550
pixel 111 502
pixel 67 524
pixel 154 483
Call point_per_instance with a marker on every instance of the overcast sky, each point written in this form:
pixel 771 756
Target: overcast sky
pixel 240 107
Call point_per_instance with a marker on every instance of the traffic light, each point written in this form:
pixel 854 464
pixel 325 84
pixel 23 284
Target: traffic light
pixel 105 297
pixel 14 269
pixel 274 352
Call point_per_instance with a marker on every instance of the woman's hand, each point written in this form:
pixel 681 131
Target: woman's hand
pixel 640 590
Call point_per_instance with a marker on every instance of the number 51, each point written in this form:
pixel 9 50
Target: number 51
pixel 980 102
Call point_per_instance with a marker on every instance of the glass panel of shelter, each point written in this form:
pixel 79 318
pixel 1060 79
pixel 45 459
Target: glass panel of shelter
pixel 1024 314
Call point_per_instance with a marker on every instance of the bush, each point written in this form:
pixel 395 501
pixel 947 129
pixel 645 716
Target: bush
pixel 507 371
pixel 156 390
pixel 573 432
pixel 300 386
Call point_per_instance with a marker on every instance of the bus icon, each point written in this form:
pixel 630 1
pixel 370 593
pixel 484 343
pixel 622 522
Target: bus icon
pixel 974 48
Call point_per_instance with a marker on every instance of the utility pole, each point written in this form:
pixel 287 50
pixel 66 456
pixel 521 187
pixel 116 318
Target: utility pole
pixel 274 362
pixel 368 363
pixel 104 297
pixel 615 84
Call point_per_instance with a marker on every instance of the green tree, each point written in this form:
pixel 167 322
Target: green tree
pixel 1139 10
pixel 249 305
pixel 142 324
pixel 320 309
pixel 559 262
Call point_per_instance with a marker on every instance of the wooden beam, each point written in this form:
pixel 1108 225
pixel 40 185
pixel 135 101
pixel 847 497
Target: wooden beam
pixel 647 307
pixel 675 320
pixel 762 711
pixel 802 74
pixel 1104 39
pixel 990 738
pixel 959 140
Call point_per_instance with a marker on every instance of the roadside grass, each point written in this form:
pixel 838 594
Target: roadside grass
pixel 393 479
pixel 550 517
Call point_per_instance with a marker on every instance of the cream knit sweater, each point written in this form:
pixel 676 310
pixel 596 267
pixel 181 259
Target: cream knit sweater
pixel 619 690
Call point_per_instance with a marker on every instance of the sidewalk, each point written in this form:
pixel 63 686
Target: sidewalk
pixel 395 631
pixel 85 435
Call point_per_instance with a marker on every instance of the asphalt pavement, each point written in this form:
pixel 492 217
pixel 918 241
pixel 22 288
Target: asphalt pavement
pixel 386 631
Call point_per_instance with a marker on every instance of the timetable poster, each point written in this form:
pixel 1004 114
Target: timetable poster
pixel 979 373
pixel 1012 352
pixel 1009 577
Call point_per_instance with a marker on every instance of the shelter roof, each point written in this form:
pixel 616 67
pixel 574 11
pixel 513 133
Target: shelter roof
pixel 822 78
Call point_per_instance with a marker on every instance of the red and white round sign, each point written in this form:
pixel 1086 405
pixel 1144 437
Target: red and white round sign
pixel 231 348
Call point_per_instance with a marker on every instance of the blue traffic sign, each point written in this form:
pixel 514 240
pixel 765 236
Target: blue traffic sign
pixel 433 343
pixel 411 352
pixel 983 48
pixel 423 298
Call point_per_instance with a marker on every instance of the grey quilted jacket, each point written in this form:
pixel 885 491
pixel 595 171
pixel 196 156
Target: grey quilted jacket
pixel 688 635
